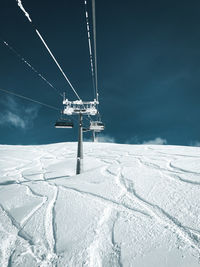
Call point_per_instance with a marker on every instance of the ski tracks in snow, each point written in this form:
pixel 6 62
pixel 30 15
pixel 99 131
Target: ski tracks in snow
pixel 95 259
pixel 161 216
pixel 171 172
pixel 189 236
pixel 43 256
pixel 104 251
pixel 29 245
pixel 50 226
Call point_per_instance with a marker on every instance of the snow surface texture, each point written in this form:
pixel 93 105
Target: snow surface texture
pixel 133 206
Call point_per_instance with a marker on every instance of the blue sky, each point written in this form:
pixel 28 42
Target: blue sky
pixel 148 62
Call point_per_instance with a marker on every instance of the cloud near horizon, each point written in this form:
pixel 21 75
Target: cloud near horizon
pixel 102 138
pixel 16 115
pixel 156 141
pixel 106 139
pixel 195 143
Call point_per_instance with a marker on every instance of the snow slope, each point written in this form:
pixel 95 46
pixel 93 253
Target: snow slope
pixel 134 205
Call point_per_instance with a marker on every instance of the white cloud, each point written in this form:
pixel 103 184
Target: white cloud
pixel 12 119
pixel 102 139
pixel 32 111
pixel 156 141
pixel 106 139
pixel 196 143
pixel 17 115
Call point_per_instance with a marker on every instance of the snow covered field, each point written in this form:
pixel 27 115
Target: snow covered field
pixel 134 205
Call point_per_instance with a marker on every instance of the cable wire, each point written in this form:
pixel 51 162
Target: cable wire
pixel 31 67
pixel 95 47
pixel 66 78
pixel 93 71
pixel 29 99
pixel 51 54
pixel 90 47
pixel 45 44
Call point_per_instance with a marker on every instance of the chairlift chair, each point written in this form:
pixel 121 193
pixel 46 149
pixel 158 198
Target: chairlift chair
pixel 64 124
pixel 96 126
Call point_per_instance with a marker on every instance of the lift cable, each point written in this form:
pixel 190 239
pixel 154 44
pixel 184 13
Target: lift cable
pixel 90 47
pixel 95 47
pixel 95 56
pixel 29 99
pixel 57 63
pixel 31 67
pixel 93 65
pixel 46 46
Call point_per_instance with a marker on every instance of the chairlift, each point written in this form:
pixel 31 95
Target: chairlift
pixel 64 124
pixel 96 126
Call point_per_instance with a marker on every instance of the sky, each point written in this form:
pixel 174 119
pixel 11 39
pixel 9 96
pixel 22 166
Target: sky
pixel 148 70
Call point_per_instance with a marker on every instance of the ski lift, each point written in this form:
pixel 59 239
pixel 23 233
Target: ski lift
pixel 64 124
pixel 96 126
pixel 79 106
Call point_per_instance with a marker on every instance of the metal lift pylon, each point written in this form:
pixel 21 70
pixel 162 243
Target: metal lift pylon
pixel 80 108
pixel 94 137
pixel 79 164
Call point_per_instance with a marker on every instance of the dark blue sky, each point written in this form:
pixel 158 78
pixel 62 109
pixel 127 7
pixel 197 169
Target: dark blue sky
pixel 148 62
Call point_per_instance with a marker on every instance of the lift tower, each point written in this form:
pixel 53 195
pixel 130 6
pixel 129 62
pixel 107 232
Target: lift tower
pixel 80 108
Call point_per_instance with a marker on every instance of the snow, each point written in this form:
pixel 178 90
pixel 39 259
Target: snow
pixel 134 205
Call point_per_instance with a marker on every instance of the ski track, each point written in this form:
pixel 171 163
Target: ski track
pixel 50 216
pixel 95 259
pixel 104 251
pixel 31 192
pixel 173 172
pixel 161 216
pixel 182 170
pixel 106 201
pixel 22 234
pixel 33 249
pixel 7 249
pixel 102 233
pixel 9 264
pixel 115 245
pixel 34 210
pixel 50 227
pixel 104 242
pixel 177 178
pixel 188 235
